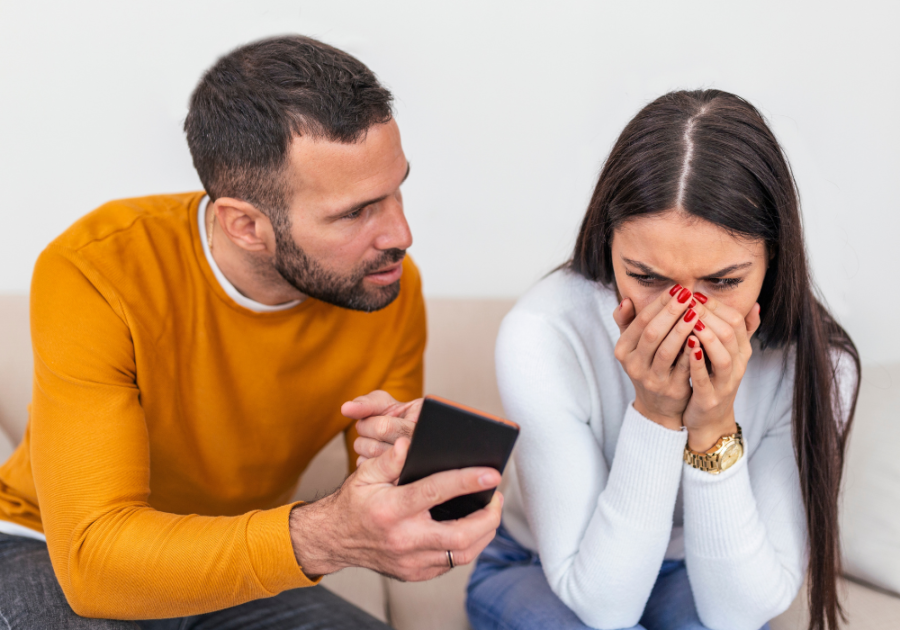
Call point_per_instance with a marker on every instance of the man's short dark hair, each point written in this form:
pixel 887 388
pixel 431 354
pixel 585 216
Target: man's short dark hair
pixel 250 104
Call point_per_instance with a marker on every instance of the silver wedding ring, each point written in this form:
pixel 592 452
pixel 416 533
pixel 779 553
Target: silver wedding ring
pixel 450 559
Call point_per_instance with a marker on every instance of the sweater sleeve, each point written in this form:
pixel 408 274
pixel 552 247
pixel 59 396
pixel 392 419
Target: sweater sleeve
pixel 113 554
pixel 601 527
pixel 745 529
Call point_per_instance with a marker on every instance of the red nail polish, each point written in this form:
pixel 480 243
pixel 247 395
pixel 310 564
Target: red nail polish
pixel 692 304
pixel 683 296
pixel 699 326
pixel 691 343
pixel 675 289
pixel 621 304
pixel 691 314
pixel 698 355
pixel 701 298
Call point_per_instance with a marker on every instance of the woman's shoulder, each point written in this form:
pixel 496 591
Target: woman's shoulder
pixel 568 301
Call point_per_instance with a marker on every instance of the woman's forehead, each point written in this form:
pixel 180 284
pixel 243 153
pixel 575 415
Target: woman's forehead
pixel 676 241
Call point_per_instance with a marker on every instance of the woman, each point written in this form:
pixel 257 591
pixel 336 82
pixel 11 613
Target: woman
pixel 684 398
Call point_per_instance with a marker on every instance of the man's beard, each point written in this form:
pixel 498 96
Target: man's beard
pixel 310 278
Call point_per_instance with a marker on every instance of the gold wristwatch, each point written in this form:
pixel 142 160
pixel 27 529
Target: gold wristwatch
pixel 723 455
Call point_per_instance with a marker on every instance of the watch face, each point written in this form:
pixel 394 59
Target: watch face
pixel 732 453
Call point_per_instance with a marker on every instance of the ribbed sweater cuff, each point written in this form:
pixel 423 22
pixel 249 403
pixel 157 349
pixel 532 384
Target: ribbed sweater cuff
pixel 643 481
pixel 720 513
pixel 271 551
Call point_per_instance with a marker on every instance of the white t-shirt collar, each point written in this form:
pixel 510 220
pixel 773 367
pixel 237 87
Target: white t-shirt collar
pixel 229 288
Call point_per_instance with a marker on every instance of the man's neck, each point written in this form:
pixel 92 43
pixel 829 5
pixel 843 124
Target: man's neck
pixel 251 276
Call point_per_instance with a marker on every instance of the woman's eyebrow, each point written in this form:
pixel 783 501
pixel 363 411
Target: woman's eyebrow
pixel 730 269
pixel 647 269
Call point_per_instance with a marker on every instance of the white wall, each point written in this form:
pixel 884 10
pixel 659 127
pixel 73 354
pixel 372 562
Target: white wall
pixel 507 110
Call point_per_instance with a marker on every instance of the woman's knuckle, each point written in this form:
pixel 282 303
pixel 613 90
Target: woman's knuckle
pixel 651 334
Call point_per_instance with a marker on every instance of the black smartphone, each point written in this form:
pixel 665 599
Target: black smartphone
pixel 449 436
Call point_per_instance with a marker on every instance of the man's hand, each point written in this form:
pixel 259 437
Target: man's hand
pixel 371 522
pixel 381 421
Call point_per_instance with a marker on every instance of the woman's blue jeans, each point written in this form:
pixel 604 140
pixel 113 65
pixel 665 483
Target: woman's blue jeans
pixel 508 591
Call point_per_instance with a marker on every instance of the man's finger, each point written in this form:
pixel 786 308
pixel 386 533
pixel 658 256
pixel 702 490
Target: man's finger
pixel 376 403
pixel 443 486
pixel 386 467
pixel 369 448
pixel 465 532
pixel 385 428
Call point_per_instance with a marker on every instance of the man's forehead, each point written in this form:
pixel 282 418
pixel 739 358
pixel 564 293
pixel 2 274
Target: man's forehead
pixel 321 166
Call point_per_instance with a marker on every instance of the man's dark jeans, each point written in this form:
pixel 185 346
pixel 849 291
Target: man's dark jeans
pixel 31 598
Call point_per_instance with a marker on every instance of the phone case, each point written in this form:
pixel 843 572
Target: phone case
pixel 449 436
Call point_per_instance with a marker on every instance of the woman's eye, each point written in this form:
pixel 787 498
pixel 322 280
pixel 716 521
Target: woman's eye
pixel 647 281
pixel 724 283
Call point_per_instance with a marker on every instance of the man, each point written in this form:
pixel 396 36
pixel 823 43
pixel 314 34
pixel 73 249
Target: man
pixel 192 353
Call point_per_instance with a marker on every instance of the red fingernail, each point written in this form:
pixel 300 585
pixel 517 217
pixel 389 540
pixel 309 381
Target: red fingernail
pixel 683 296
pixel 701 298
pixel 675 289
pixel 622 303
pixel 691 314
pixel 692 304
pixel 691 343
pixel 698 355
pixel 699 326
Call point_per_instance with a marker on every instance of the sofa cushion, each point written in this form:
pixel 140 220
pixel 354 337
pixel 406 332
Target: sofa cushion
pixel 6 446
pixel 16 365
pixel 866 609
pixel 870 516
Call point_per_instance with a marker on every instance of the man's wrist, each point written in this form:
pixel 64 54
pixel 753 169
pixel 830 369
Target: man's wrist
pixel 312 535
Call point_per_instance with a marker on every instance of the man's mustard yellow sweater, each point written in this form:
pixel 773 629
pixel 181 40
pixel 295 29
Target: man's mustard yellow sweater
pixel 169 426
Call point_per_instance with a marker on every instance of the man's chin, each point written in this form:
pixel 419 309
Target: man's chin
pixel 369 298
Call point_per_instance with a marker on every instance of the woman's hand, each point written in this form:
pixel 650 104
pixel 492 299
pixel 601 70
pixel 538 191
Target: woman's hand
pixel 650 351
pixel 724 335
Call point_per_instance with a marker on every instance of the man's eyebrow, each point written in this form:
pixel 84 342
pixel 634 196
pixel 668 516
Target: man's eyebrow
pixel 729 269
pixel 369 202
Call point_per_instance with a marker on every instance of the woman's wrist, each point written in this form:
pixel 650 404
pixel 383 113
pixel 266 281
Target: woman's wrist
pixel 703 438
pixel 674 423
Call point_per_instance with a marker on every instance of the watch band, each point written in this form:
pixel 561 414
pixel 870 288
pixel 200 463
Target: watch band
pixel 722 456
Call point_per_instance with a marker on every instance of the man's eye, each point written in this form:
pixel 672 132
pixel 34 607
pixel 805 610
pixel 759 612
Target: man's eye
pixel 353 215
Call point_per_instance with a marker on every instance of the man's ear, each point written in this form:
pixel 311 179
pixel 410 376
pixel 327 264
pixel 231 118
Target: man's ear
pixel 244 224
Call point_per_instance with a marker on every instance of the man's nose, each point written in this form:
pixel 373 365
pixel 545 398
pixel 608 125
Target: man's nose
pixel 395 232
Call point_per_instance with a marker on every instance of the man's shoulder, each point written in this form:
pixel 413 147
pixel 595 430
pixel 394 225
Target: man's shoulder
pixel 118 222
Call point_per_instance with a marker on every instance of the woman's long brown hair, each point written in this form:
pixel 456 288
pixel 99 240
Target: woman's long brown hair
pixel 711 154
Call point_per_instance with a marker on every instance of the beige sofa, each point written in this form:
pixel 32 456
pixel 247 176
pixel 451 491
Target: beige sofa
pixel 460 366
